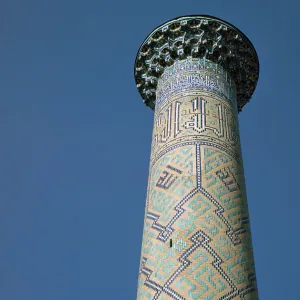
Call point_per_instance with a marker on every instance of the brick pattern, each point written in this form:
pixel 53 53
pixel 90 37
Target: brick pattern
pixel 196 197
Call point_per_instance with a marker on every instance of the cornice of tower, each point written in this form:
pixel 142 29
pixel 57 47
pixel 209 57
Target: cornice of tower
pixel 198 36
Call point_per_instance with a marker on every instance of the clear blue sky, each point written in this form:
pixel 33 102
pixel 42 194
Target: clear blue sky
pixel 75 144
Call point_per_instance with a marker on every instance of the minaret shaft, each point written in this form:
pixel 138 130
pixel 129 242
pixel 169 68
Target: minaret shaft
pixel 196 191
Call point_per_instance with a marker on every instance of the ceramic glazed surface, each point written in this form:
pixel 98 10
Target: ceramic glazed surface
pixel 196 191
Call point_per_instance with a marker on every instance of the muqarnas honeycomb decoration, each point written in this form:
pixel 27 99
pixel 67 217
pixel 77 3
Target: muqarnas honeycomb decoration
pixel 198 37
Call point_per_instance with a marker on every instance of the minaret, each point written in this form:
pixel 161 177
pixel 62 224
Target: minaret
pixel 196 73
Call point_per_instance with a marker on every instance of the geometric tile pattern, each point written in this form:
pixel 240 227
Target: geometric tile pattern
pixel 196 197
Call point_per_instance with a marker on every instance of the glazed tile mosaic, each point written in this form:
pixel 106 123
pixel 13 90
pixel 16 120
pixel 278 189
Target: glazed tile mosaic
pixel 196 237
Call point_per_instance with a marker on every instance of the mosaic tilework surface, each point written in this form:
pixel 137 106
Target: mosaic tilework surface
pixel 192 74
pixel 196 197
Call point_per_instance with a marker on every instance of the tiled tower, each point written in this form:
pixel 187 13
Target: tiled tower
pixel 196 73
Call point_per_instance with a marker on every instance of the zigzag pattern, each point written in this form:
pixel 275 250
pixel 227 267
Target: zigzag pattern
pixel 166 231
pixel 185 262
pixel 220 213
pixel 217 260
pixel 146 271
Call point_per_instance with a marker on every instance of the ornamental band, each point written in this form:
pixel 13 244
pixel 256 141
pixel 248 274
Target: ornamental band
pixel 196 73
